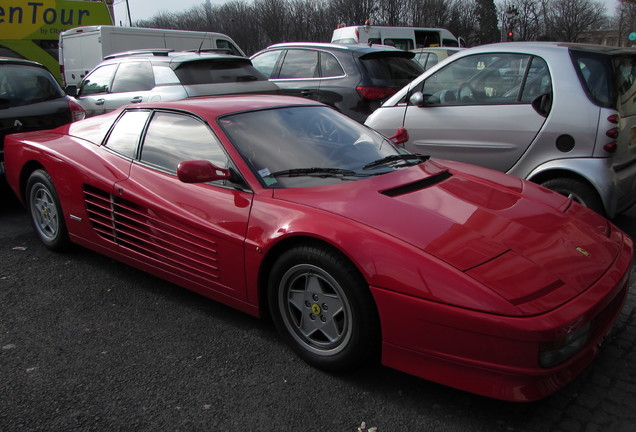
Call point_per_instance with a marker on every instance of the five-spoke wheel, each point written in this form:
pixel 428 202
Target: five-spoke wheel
pixel 322 307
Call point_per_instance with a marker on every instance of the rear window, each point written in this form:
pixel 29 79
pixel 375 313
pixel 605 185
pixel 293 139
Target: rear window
pixel 25 85
pixel 391 70
pixel 218 71
pixel 595 73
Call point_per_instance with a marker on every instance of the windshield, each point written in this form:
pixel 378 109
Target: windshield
pixel 24 85
pixel 304 146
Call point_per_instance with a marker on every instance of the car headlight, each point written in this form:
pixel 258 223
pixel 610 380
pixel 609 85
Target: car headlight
pixel 554 352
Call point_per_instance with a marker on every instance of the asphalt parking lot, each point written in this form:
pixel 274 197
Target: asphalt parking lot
pixel 89 344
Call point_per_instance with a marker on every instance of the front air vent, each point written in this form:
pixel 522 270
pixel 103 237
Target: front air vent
pixel 418 185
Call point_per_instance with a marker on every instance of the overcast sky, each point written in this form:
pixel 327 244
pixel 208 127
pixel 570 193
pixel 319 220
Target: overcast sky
pixel 144 9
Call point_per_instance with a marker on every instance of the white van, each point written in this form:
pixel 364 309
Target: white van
pixel 406 38
pixel 82 48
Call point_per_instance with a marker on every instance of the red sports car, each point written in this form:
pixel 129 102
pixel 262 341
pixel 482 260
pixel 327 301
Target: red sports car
pixel 358 250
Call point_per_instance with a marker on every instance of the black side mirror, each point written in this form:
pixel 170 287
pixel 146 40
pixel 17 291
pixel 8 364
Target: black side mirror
pixel 71 90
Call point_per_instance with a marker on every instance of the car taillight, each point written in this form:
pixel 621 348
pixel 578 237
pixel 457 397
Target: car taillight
pixel 375 93
pixel 612 133
pixel 77 112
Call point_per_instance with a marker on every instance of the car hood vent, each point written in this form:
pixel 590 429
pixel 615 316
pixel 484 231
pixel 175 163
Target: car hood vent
pixel 418 185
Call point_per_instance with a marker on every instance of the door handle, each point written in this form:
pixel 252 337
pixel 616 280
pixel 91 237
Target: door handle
pixel 100 101
pixel 305 92
pixel 137 99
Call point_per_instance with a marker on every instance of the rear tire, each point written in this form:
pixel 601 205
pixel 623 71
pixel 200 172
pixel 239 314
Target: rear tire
pixel 46 213
pixel 322 307
pixel 578 191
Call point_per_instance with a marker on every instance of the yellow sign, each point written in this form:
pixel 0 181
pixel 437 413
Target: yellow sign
pixel 45 19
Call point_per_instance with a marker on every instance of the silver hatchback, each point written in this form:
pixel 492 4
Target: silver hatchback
pixel 164 74
pixel 561 115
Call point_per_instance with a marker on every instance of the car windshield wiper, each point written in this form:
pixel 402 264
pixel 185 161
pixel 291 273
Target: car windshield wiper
pixel 415 158
pixel 316 171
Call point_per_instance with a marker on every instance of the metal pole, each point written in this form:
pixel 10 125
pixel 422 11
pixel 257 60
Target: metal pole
pixel 129 19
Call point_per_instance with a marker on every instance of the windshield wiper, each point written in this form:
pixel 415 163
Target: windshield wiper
pixel 316 171
pixel 415 158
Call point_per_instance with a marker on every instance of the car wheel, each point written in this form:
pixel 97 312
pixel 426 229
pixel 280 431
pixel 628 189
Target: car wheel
pixel 46 212
pixel 577 191
pixel 323 309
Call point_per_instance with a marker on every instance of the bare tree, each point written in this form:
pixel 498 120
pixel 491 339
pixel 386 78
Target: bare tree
pixel 626 21
pixel 355 12
pixel 429 13
pixel 524 18
pixel 567 19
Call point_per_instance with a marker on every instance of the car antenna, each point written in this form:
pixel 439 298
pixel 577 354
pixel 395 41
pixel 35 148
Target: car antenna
pixel 202 41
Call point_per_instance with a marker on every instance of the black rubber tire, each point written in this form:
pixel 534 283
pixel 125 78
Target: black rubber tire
pixel 322 307
pixel 46 213
pixel 577 191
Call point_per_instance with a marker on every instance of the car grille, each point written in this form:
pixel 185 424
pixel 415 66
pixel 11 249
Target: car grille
pixel 167 243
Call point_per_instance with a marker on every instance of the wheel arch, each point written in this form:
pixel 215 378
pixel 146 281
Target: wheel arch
pixel 541 177
pixel 283 245
pixel 26 171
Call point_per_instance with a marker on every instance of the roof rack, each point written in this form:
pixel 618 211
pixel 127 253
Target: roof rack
pixel 212 50
pixel 153 51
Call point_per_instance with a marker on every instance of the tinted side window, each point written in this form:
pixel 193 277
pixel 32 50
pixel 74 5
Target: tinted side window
pixel 425 38
pixel 135 76
pixel 172 138
pixel 390 70
pixel 266 62
pixel 300 64
pixel 98 81
pixel 124 138
pixel 329 65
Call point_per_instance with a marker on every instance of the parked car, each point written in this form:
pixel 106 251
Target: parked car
pixel 31 99
pixel 357 249
pixel 163 74
pixel 561 115
pixel 354 79
pixel 429 57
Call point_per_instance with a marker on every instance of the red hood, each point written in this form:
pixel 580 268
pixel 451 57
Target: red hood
pixel 509 234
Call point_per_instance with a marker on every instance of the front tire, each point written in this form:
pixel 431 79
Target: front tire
pixel 46 212
pixel 322 307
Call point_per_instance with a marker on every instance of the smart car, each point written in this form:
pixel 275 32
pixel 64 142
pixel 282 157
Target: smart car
pixel 559 114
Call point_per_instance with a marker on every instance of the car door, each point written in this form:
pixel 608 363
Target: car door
pixel 95 88
pixel 133 83
pixel 194 232
pixel 479 109
pixel 299 73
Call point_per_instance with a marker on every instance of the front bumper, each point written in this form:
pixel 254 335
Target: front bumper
pixel 497 356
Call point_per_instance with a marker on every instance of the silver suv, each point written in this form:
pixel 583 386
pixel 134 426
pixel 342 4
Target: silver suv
pixel 163 74
pixel 562 115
